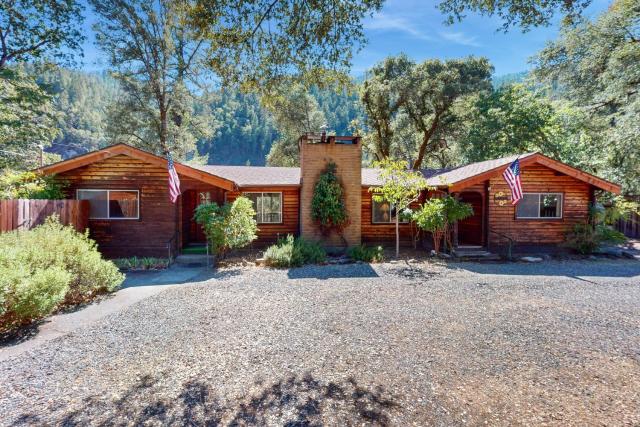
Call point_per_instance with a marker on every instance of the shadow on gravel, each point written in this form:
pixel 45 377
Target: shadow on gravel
pixel 571 269
pixel 324 272
pixel 293 401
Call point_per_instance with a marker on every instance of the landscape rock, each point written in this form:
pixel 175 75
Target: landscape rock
pixel 531 259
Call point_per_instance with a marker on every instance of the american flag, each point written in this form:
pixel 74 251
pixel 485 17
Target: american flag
pixel 174 180
pixel 512 176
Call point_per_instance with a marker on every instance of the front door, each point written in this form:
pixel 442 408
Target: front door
pixel 470 229
pixel 193 199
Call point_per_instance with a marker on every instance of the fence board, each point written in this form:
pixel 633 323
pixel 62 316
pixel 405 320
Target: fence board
pixel 25 214
pixel 630 227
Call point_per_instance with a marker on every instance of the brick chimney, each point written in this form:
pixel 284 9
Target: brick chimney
pixel 316 151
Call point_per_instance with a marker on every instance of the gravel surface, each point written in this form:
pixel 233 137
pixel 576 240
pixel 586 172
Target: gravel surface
pixel 390 344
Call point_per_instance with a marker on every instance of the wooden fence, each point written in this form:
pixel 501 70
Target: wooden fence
pixel 630 227
pixel 22 214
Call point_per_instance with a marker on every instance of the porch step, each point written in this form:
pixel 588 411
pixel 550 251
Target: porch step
pixel 475 255
pixel 194 260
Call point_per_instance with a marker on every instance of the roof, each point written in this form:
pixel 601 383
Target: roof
pixel 455 175
pixel 136 153
pixel 232 177
pixel 246 176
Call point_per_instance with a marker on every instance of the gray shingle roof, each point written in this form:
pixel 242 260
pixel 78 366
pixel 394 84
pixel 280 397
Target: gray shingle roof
pixel 461 173
pixel 246 176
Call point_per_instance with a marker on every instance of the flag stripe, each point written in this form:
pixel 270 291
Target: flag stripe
pixel 174 180
pixel 512 176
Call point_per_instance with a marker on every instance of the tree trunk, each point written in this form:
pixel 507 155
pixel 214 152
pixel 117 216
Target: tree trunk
pixel 163 129
pixel 425 141
pixel 397 234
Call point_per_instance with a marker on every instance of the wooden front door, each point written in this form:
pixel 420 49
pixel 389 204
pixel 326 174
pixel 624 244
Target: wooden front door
pixel 192 200
pixel 470 229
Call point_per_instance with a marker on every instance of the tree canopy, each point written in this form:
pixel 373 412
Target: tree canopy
pixel 525 14
pixel 260 44
pixel 39 30
pixel 399 94
pixel 594 67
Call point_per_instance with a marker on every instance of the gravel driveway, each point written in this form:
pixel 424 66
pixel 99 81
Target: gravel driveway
pixel 392 344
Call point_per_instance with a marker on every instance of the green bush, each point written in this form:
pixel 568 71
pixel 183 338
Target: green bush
pixel 49 265
pixel 366 253
pixel 290 252
pixel 228 227
pixel 586 239
pixel 29 185
pixel 437 216
pixel 31 295
pixel 146 263
pixel 327 205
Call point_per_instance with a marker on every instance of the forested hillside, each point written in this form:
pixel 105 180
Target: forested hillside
pixel 243 132
pixel 81 100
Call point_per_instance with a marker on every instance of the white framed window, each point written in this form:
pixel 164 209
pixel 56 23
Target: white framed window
pixel 111 204
pixel 539 206
pixel 384 213
pixel 268 207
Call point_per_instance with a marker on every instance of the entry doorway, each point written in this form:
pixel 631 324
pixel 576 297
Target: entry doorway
pixel 193 232
pixel 471 230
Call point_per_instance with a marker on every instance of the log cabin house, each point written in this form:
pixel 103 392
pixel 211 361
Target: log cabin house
pixel 131 214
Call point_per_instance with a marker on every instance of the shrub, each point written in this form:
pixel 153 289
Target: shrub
pixel 290 252
pixel 29 185
pixel 586 239
pixel 228 227
pixel 327 205
pixel 32 295
pixel 366 253
pixel 146 263
pixel 437 215
pixel 49 265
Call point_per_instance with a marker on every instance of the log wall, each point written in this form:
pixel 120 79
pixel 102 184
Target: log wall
pixel 378 233
pixel 146 236
pixel 538 179
pixel 269 233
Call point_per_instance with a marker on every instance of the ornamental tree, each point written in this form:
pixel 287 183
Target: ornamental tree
pixel 327 205
pixel 400 187
pixel 438 215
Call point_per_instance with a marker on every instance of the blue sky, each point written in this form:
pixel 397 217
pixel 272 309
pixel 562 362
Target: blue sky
pixel 417 28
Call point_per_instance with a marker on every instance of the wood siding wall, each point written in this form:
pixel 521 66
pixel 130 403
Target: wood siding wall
pixel 269 233
pixel 146 236
pixel 538 179
pixel 376 233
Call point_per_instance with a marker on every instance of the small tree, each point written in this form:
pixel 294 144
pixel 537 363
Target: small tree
pixel 400 187
pixel 327 206
pixel 227 227
pixel 455 211
pixel 438 215
pixel 431 217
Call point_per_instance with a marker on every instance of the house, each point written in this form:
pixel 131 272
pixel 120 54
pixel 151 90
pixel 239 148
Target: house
pixel 130 211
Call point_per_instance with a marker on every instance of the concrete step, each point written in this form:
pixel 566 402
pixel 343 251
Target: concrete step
pixel 475 255
pixel 194 260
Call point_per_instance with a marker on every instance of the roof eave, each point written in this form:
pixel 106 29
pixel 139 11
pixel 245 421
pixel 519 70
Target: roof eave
pixel 124 149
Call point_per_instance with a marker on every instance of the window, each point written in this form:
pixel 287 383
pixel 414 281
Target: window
pixel 268 207
pixel 383 212
pixel 540 205
pixel 111 204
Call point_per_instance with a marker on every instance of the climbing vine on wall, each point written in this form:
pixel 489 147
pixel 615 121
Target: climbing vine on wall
pixel 327 206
